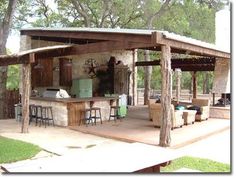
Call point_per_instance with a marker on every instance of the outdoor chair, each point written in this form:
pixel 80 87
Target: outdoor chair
pixel 150 101
pixel 204 105
pixel 176 116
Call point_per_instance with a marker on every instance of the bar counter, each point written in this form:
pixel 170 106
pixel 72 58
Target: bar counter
pixel 69 111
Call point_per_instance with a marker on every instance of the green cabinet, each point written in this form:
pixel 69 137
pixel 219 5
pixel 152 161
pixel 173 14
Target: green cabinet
pixel 82 88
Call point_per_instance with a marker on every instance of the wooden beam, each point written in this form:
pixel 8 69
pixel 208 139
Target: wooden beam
pixel 26 87
pixel 105 47
pixel 140 38
pixel 184 65
pixel 166 92
pixel 189 48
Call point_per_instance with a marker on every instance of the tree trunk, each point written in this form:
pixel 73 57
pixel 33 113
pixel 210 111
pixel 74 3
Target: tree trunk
pixel 147 78
pixel 194 79
pixel 25 96
pixel 205 87
pixel 178 84
pixel 5 26
pixel 166 92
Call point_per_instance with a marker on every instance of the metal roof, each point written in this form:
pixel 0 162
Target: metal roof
pixel 165 34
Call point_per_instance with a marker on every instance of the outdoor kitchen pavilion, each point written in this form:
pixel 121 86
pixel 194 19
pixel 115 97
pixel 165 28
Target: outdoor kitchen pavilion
pixel 88 40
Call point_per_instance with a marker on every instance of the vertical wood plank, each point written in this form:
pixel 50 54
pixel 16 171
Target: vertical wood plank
pixel 166 92
pixel 26 86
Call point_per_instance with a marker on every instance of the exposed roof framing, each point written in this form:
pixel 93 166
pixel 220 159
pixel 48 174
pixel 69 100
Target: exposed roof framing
pixel 39 53
pixel 190 64
pixel 147 39
pixel 93 40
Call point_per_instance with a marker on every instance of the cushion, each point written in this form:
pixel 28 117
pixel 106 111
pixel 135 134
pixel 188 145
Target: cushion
pixel 197 108
pixel 179 107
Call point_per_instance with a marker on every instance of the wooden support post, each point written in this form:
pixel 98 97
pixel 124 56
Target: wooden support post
pixel 166 92
pixel 178 84
pixel 213 99
pixel 26 86
pixel 194 78
pixel 134 77
pixel 224 99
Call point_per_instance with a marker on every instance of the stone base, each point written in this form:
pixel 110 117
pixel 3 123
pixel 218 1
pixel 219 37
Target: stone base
pixel 220 112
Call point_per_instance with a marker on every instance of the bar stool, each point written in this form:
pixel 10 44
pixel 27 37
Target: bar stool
pixel 47 115
pixel 115 111
pixel 87 117
pixel 97 114
pixel 38 114
pixel 32 112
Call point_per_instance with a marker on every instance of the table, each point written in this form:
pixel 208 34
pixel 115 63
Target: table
pixel 189 116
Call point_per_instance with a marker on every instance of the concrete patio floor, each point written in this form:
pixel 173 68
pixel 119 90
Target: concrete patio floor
pixel 214 144
pixel 136 127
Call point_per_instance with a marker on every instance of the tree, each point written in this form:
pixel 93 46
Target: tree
pixel 100 14
pixel 7 10
pixel 150 18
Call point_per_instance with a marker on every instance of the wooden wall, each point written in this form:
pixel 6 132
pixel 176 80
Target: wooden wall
pixel 42 77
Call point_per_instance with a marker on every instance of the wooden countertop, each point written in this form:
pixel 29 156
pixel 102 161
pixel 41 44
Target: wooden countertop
pixel 73 100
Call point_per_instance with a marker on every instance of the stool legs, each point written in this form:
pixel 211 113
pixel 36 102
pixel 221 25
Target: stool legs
pixel 46 115
pixel 94 114
pixel 115 110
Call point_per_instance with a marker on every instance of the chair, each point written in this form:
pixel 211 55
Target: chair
pixel 176 116
pixel 204 105
pixel 150 101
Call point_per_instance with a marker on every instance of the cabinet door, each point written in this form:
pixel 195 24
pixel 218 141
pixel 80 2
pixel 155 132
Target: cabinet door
pixel 42 76
pixel 65 72
pixel 121 80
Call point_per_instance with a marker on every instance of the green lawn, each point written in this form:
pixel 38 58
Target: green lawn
pixel 14 150
pixel 203 165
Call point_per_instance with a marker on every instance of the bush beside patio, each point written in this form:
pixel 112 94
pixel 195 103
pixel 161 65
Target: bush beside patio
pixel 14 150
pixel 200 164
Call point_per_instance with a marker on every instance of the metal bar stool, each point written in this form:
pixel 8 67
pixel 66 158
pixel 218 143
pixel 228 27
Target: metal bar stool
pixel 115 111
pixel 38 114
pixel 47 115
pixel 32 112
pixel 97 114
pixel 87 117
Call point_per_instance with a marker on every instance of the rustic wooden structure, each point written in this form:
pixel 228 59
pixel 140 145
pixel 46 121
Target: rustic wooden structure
pixel 89 40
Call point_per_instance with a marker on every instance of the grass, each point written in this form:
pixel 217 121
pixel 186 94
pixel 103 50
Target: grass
pixel 203 165
pixel 14 150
